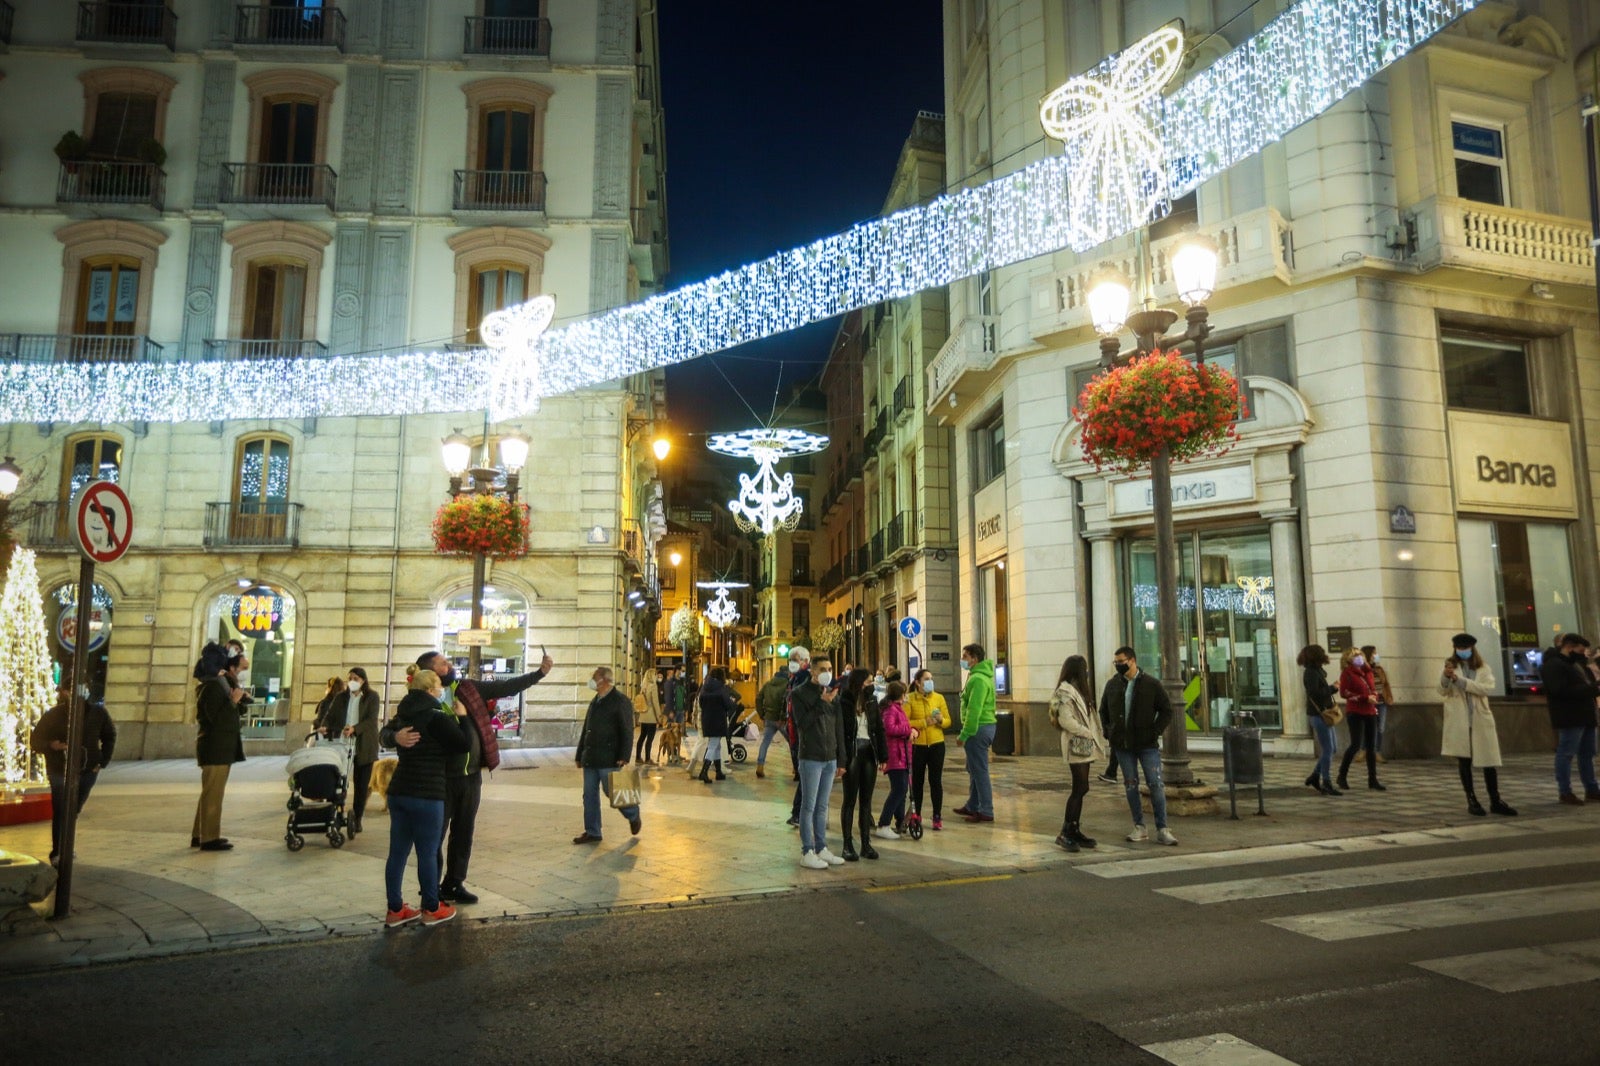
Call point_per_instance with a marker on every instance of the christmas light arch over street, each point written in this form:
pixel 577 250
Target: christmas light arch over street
pixel 1296 67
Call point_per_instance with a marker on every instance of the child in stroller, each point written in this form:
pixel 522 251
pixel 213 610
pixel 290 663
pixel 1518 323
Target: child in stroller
pixel 319 781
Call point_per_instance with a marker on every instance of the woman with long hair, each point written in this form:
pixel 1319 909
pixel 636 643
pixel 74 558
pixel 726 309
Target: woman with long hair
pixel 1360 694
pixel 361 725
pixel 897 763
pixel 648 704
pixel 928 714
pixel 864 743
pixel 1469 729
pixel 1319 698
pixel 1081 742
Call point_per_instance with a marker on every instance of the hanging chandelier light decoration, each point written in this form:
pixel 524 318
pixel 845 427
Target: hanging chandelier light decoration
pixel 721 611
pixel 766 501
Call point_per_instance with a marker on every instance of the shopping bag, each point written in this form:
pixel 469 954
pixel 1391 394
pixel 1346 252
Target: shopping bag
pixel 624 786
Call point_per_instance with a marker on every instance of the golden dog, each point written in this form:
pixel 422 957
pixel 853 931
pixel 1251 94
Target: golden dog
pixel 382 771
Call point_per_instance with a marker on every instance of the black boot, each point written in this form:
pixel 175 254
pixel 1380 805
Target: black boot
pixel 705 769
pixel 1372 783
pixel 1077 834
pixel 1311 781
pixel 1474 807
pixel 720 775
pixel 1065 840
pixel 1327 789
pixel 849 852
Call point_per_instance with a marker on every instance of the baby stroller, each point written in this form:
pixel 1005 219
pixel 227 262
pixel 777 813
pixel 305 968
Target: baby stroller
pixel 319 776
pixel 745 729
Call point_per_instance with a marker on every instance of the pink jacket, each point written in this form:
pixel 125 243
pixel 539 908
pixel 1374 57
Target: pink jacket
pixel 897 732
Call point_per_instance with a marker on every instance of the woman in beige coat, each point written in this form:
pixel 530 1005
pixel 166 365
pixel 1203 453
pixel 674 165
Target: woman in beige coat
pixel 648 706
pixel 1469 730
pixel 1071 712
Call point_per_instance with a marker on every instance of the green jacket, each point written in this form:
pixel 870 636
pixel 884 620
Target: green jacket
pixel 977 700
pixel 772 697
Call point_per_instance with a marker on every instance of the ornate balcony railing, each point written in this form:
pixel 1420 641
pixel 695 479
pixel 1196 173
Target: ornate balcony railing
pixel 899 533
pixel 253 524
pixel 77 348
pixel 264 349
pixel 507 36
pixel 970 346
pixel 47 526
pixel 94 182
pixel 800 576
pixel 831 578
pixel 124 23
pixel 278 183
pixel 1501 240
pixel 499 190
pixel 272 24
pixel 902 398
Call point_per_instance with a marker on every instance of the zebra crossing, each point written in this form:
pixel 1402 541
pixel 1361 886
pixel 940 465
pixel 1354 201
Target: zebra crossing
pixel 1437 887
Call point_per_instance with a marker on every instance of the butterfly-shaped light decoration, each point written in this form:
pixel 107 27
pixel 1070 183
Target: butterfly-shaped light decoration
pixel 512 335
pixel 1257 600
pixel 1110 123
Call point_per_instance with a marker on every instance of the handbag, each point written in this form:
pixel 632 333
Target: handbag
pixel 624 786
pixel 1333 715
pixel 1080 746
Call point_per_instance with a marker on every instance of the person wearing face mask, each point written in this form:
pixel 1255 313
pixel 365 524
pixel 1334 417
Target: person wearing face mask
pixel 1469 729
pixel 864 743
pixel 1384 694
pixel 823 758
pixel 603 748
pixel 1356 688
pixel 771 704
pixel 1136 710
pixel 929 715
pixel 417 800
pixel 362 728
pixel 799 675
pixel 1081 743
pixel 1569 697
pixel 977 732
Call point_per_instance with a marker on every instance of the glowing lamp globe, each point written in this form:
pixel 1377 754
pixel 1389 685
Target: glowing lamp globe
pixel 1109 297
pixel 514 452
pixel 10 478
pixel 1194 268
pixel 661 447
pixel 457 454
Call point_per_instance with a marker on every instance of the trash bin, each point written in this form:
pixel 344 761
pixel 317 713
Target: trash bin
pixel 1241 759
pixel 1005 733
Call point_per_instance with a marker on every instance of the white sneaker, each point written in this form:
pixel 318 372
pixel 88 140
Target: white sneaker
pixel 1164 836
pixel 812 861
pixel 1139 835
pixel 883 832
pixel 830 858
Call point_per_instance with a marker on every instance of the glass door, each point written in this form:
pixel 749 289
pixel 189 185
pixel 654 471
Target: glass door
pixel 1239 629
pixel 1143 615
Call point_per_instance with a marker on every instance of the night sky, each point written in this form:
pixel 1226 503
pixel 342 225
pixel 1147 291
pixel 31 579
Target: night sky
pixel 783 124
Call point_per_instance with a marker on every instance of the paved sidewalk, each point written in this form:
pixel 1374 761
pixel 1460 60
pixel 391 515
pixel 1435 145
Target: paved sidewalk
pixel 140 891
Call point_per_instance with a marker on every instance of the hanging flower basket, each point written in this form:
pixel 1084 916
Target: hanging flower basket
pixel 1157 401
pixel 492 525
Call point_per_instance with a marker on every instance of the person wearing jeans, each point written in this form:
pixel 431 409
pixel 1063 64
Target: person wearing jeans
pixel 977 732
pixel 1319 698
pixel 603 747
pixel 1136 709
pixel 770 705
pixel 1570 693
pixel 822 760
pixel 416 798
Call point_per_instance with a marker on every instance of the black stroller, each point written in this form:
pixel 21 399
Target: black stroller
pixel 319 778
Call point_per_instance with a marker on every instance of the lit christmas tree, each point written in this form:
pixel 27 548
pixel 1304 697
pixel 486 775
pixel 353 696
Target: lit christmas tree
pixel 26 691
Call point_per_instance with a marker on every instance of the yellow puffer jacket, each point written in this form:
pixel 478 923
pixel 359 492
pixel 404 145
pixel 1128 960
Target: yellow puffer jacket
pixel 920 709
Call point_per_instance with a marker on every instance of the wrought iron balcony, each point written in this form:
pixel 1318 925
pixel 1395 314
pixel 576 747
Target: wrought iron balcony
pixel 801 576
pixel 902 398
pixel 124 23
pixel 264 349
pixel 303 26
pixel 878 555
pixel 278 183
pixel 7 14
pixel 253 524
pixel 507 36
pixel 499 190
pixel 77 348
pixel 92 182
pixel 900 534
pixel 47 526
pixel 831 579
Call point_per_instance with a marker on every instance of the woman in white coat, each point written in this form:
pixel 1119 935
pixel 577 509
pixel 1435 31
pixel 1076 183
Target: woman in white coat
pixel 1071 712
pixel 1469 730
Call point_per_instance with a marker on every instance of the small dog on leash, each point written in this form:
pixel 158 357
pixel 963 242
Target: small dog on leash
pixel 382 771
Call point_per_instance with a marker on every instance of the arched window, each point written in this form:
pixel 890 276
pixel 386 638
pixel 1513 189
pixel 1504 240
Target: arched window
pixel 496 266
pixel 262 618
pixel 505 144
pixel 261 489
pixel 91 457
pixel 289 116
pixel 108 268
pixel 123 108
pixel 276 268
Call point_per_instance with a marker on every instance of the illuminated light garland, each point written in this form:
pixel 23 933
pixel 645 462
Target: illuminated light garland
pixel 1296 67
pixel 1258 602
pixel 721 612
pixel 766 501
pixel 26 691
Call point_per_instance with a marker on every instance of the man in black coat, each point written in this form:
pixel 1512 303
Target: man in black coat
pixel 603 748
pixel 96 741
pixel 1135 711
pixel 1569 693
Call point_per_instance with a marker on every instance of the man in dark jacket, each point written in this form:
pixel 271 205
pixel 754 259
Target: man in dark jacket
pixel 464 780
pixel 96 741
pixel 1569 695
pixel 770 703
pixel 219 743
pixel 1135 711
pixel 603 748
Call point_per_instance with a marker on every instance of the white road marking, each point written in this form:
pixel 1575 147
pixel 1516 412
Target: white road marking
pixel 1519 969
pixel 1443 913
pixel 1218 1049
pixel 1382 874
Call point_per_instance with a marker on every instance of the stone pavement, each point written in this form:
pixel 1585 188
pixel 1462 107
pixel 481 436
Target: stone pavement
pixel 140 891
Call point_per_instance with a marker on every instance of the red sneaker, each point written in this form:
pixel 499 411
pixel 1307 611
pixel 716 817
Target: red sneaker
pixel 404 916
pixel 443 913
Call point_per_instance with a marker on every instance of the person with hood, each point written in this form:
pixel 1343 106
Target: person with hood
pixel 361 726
pixel 603 746
pixel 865 751
pixel 219 743
pixel 897 734
pixel 1569 697
pixel 718 706
pixel 96 741
pixel 770 704
pixel 1137 710
pixel 1469 728
pixel 977 732
pixel 929 715
pixel 417 798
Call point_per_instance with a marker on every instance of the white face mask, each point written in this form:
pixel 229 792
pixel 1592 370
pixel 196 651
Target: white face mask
pixel 355 684
pixel 965 665
pixel 878 680
pixel 594 686
pixel 794 666
pixel 825 678
pixel 1376 659
pixel 927 686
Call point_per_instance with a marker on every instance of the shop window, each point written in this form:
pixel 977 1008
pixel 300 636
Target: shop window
pixel 262 618
pixel 1487 375
pixel 989 449
pixel 1519 596
pixel 261 490
pixel 505 616
pixel 61 622
pixel 993 621
pixel 1480 157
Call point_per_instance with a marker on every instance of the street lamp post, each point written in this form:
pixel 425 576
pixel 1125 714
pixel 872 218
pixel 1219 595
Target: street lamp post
pixel 1194 270
pixel 457 462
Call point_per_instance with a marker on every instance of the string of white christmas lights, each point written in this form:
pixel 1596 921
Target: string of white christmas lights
pixel 1296 67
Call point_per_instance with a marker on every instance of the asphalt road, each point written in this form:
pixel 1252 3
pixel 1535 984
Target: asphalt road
pixel 1309 952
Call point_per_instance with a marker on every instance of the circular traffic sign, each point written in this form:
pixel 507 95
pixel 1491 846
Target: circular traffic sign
pixel 910 627
pixel 102 521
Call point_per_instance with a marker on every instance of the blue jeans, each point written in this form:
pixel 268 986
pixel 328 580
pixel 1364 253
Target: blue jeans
pixel 86 780
pixel 1328 747
pixel 980 791
pixel 1574 740
pixel 768 731
pixel 816 784
pixel 1383 720
pixel 415 824
pixel 895 806
pixel 1150 759
pixel 594 779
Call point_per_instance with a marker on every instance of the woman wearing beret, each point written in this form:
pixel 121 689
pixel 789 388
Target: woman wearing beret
pixel 1469 729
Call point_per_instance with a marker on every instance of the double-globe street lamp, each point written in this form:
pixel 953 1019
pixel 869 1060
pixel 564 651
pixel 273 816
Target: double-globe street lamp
pixel 1193 265
pixel 458 463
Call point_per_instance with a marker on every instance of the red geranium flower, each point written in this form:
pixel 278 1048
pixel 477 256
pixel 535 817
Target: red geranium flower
pixel 1156 401
pixel 492 525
